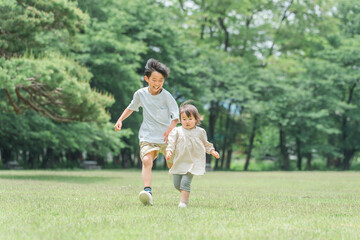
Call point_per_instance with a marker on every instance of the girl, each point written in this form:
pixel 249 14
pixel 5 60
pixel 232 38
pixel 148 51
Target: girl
pixel 188 143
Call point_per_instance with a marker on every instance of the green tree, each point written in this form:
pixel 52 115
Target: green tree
pixel 51 84
pixel 37 73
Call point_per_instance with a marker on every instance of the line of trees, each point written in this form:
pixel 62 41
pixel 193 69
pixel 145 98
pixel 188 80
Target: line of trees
pixel 276 78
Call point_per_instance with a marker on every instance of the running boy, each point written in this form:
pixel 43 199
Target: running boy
pixel 188 144
pixel 160 116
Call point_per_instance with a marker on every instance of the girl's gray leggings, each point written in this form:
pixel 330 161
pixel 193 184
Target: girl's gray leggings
pixel 182 181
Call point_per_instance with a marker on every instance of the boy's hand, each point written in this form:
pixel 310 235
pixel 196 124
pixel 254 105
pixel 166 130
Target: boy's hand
pixel 170 128
pixel 118 126
pixel 215 153
pixel 166 134
pixel 168 155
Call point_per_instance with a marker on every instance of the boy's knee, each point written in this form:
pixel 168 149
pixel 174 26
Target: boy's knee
pixel 177 186
pixel 147 161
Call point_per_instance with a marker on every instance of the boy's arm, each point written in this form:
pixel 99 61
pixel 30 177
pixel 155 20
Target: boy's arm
pixel 171 127
pixel 126 113
pixel 172 140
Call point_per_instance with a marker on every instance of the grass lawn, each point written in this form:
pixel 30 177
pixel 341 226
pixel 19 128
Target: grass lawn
pixel 223 205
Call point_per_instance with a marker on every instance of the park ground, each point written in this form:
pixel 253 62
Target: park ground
pixel 223 205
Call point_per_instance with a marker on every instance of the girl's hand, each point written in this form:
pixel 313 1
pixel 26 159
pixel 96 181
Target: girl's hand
pixel 168 155
pixel 215 153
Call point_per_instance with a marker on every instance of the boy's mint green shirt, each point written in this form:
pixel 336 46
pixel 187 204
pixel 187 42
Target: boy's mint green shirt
pixel 158 113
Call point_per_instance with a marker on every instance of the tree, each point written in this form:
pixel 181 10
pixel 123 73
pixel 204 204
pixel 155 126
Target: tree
pixel 50 84
pixel 38 74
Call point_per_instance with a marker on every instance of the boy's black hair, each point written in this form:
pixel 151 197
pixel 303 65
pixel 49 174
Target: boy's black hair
pixel 153 65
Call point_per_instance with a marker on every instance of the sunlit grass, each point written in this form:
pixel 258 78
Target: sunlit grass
pixel 317 164
pixel 224 205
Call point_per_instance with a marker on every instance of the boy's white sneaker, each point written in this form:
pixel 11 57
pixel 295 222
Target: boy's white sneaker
pixel 146 198
pixel 182 205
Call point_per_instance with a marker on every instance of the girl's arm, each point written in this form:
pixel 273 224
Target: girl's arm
pixel 209 147
pixel 215 153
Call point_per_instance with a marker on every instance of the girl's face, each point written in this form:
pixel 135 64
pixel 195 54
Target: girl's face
pixel 155 81
pixel 187 122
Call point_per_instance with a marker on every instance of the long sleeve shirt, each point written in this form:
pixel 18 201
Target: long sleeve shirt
pixel 189 148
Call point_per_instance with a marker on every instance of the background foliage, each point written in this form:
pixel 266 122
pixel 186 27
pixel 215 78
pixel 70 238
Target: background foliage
pixel 275 80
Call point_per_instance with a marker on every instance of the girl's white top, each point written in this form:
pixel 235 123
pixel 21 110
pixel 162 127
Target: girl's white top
pixel 189 148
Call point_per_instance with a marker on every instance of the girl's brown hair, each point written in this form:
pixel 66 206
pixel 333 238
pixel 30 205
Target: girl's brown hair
pixel 188 109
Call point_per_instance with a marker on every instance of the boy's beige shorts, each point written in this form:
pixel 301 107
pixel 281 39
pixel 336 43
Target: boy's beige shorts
pixel 146 147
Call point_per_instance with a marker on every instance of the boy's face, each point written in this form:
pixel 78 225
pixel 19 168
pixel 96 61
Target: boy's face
pixel 155 81
pixel 187 122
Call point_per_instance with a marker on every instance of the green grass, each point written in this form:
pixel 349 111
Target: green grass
pixel 224 205
pixel 317 164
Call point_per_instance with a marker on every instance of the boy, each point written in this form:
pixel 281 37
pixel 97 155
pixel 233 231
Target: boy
pixel 160 116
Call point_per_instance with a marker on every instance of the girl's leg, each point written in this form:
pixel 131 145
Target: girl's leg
pixel 185 187
pixel 185 196
pixel 177 181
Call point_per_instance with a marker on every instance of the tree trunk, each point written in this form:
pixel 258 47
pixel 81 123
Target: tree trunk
pixel 227 134
pixel 251 144
pixel 6 155
pixel 348 155
pixel 299 154
pixel 203 29
pixel 228 158
pixel 33 157
pixel 284 156
pixel 308 161
pixel 212 122
pixel 222 160
pixel 75 157
pixel 125 158
pixel 139 162
pixel 226 33
pixel 248 21
pixel 329 162
pixel 222 133
pixel 24 156
pixel 48 158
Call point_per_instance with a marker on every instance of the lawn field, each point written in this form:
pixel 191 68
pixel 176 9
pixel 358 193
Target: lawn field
pixel 223 205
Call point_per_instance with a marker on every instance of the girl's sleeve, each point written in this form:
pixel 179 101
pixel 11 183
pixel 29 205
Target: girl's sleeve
pixel 208 146
pixel 135 103
pixel 172 139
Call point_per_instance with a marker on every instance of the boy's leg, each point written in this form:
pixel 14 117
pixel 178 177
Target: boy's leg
pixel 148 152
pixel 147 163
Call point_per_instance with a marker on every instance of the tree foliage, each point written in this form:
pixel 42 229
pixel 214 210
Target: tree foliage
pixel 273 79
